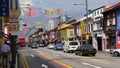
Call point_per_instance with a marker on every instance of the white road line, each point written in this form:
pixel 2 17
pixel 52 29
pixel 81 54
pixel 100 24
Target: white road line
pixel 32 55
pixel 55 55
pixel 44 66
pixel 91 65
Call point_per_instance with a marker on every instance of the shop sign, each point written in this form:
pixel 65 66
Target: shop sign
pixel 111 28
pixel 14 28
pixel 14 13
pixel 4 7
pixel 14 20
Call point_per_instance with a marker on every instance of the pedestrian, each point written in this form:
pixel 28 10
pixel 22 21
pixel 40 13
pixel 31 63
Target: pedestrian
pixel 5 49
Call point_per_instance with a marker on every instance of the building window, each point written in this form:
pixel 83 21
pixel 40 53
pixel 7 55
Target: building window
pixel 85 29
pixel 95 13
pixel 110 21
pixel 91 27
pixel 88 27
pixel 98 12
pixel 114 21
pixel 108 16
pixel 71 33
pixel 98 26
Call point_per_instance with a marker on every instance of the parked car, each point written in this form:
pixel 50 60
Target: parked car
pixel 70 46
pixel 51 46
pixel 58 46
pixel 41 44
pixel 86 50
pixel 115 52
pixel 34 45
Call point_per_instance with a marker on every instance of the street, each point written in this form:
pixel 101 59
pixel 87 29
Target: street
pixel 48 58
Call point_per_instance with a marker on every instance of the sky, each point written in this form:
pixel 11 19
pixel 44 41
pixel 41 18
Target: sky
pixel 67 6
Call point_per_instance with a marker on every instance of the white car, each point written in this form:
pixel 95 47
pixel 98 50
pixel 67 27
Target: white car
pixel 51 46
pixel 70 46
pixel 115 52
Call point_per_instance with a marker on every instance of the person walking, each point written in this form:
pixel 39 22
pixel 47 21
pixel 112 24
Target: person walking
pixel 5 49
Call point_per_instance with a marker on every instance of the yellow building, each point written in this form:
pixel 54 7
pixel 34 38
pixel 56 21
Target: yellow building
pixel 66 32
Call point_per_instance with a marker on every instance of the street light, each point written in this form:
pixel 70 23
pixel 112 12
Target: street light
pixel 86 5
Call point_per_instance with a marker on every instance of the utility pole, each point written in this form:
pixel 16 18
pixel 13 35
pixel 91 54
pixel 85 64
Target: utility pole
pixel 86 4
pixel 86 9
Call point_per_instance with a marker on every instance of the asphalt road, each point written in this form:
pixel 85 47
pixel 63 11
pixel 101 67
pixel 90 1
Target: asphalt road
pixel 48 58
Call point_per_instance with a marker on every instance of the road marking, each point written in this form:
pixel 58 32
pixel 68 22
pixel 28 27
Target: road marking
pixel 32 55
pixel 92 58
pixel 44 66
pixel 24 62
pixel 91 65
pixel 55 61
pixel 55 55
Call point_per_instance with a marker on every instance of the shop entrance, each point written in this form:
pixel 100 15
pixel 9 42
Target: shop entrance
pixel 99 40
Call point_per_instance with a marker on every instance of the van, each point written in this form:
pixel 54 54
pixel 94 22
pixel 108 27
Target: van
pixel 71 46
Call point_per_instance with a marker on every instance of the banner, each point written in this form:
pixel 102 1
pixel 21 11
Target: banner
pixel 52 13
pixel 82 27
pixel 118 29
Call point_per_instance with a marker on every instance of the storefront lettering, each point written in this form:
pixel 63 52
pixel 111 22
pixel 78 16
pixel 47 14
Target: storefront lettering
pixel 110 28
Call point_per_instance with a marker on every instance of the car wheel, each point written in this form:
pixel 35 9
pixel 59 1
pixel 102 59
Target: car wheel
pixel 80 53
pixel 76 53
pixel 93 54
pixel 115 54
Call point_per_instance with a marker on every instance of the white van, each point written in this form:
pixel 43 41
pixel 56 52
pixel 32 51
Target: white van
pixel 70 46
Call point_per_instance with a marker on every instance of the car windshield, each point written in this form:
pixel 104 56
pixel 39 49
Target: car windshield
pixel 73 43
pixel 87 47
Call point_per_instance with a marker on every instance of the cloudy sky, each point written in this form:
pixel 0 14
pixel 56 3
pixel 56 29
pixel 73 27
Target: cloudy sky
pixel 75 11
pixel 67 7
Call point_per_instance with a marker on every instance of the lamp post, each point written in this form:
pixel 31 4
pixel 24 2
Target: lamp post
pixel 86 8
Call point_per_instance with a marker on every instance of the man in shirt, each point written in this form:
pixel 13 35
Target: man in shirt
pixel 5 49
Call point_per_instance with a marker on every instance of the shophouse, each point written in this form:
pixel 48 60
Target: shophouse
pixel 66 31
pixel 88 28
pixel 109 25
pixel 98 28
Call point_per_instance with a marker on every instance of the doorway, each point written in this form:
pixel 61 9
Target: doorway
pixel 99 41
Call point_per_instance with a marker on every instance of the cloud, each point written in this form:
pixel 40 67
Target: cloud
pixel 25 2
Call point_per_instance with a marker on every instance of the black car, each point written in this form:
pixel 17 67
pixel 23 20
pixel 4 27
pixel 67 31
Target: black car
pixel 86 50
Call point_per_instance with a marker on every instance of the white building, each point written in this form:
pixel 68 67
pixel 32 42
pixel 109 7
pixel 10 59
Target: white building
pixel 98 28
pixel 51 24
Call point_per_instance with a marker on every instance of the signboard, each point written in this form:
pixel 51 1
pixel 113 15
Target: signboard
pixel 14 20
pixel 14 28
pixel 0 25
pixel 14 13
pixel 14 9
pixel 4 7
pixel 82 27
pixel 118 28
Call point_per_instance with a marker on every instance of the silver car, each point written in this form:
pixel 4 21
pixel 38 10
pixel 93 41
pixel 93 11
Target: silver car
pixel 51 46
pixel 115 52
